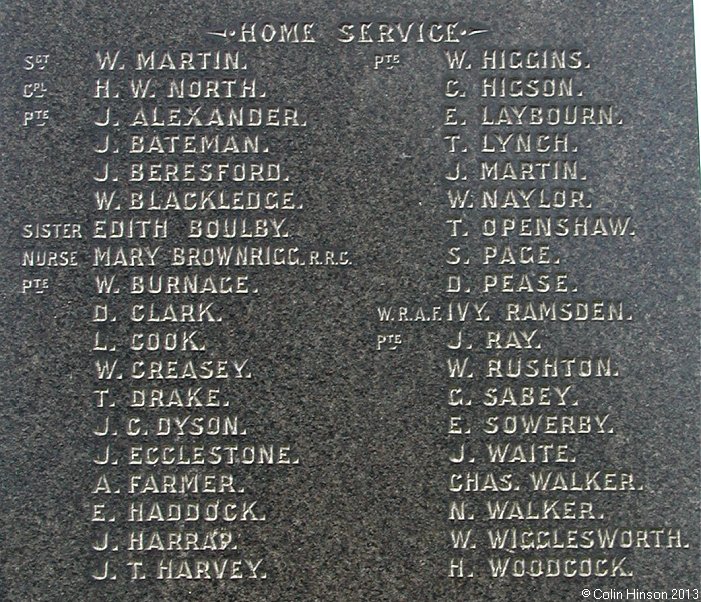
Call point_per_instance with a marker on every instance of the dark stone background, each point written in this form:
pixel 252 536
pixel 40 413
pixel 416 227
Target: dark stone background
pixel 363 517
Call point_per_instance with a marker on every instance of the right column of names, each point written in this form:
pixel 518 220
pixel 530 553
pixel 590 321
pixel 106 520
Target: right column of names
pixel 531 374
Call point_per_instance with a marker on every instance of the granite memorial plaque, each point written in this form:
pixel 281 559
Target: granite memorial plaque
pixel 360 301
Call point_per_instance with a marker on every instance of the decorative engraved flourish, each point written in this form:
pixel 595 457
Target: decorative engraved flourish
pixel 475 32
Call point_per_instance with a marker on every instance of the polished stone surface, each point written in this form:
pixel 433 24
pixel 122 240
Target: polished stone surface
pixel 364 514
